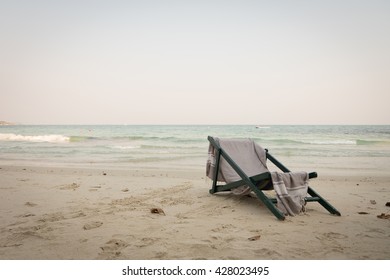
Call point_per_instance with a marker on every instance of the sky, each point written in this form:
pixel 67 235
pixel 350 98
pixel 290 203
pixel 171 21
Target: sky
pixel 195 62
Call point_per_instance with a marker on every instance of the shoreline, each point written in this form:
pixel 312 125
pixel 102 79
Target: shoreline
pixel 81 213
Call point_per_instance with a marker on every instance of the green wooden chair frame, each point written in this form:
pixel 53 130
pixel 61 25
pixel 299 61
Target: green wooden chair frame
pixel 258 182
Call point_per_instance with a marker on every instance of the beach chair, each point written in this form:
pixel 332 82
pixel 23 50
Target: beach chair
pixel 226 156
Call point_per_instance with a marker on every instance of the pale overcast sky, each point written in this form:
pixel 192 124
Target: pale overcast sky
pixel 195 62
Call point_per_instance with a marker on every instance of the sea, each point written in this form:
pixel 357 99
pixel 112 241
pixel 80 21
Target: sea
pixel 341 149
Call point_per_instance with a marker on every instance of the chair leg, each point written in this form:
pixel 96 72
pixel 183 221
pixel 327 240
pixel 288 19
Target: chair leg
pixel 268 202
pixel 323 202
pixel 218 158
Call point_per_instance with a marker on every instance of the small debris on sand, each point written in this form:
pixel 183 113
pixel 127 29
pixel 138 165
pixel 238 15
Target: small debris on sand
pixel 384 216
pixel 157 211
pixel 254 238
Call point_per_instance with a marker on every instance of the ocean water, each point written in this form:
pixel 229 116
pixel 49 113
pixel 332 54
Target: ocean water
pixel 344 148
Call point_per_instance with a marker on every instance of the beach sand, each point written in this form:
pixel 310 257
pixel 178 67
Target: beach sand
pixel 69 213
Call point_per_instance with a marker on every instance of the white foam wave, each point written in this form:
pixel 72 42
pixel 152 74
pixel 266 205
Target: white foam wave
pixel 127 147
pixel 52 138
pixel 331 142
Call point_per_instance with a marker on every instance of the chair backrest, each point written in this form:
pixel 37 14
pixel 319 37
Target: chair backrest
pixel 247 154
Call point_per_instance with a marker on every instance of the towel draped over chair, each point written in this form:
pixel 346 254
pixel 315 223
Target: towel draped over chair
pixel 290 188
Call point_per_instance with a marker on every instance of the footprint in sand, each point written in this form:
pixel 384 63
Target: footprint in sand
pixel 94 188
pixel 146 241
pixel 72 187
pixel 112 249
pixel 331 236
pixel 30 204
pixel 26 215
pixel 224 227
pixel 92 225
pixel 267 253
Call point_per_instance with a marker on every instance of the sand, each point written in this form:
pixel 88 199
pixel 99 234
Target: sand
pixel 76 213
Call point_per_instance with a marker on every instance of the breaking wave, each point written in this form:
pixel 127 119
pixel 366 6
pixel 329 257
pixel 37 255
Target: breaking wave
pixel 325 142
pixel 126 147
pixel 52 138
